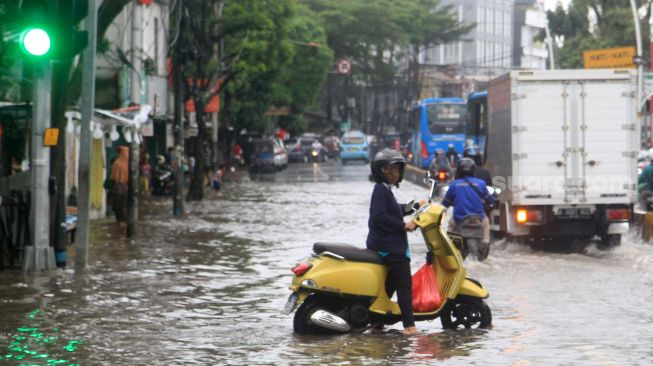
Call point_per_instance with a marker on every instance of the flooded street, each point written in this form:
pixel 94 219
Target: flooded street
pixel 208 290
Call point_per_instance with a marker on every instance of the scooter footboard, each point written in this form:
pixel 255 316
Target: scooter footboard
pixel 473 288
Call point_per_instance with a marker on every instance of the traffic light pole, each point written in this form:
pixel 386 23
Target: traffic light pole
pixel 87 106
pixel 40 255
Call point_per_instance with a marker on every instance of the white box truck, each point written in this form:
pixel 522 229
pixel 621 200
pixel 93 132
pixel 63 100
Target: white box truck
pixel 563 146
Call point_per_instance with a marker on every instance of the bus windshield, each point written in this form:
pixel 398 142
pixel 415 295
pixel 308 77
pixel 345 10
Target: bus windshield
pixel 446 118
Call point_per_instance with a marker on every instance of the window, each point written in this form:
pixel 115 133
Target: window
pixel 446 118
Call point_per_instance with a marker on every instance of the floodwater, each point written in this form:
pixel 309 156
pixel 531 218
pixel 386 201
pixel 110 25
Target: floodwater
pixel 208 290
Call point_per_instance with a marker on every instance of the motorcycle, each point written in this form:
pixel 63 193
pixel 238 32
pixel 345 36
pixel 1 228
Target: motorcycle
pixel 443 177
pixel 341 288
pixel 163 182
pixel 318 154
pixel 468 236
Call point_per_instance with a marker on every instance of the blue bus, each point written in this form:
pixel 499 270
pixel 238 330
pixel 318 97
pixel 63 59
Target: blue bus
pixel 477 113
pixel 438 122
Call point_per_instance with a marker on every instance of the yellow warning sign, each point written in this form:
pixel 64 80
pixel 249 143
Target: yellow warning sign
pixel 609 58
pixel 51 137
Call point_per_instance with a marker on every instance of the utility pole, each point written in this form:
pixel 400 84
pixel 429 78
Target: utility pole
pixel 84 169
pixel 137 97
pixel 650 105
pixel 40 255
pixel 178 195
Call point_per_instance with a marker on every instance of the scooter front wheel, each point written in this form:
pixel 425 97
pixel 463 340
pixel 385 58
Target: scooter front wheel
pixel 466 312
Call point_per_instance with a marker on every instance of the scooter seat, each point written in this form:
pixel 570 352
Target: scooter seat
pixel 349 252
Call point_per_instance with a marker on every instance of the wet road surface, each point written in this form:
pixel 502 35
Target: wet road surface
pixel 208 290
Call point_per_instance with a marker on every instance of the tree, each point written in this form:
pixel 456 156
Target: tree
pixel 427 24
pixel 378 35
pixel 298 81
pixel 9 53
pixel 594 24
pixel 241 44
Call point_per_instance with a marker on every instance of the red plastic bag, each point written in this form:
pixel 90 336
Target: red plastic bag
pixel 426 296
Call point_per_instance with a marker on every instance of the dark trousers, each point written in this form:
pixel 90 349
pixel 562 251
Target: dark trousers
pixel 400 279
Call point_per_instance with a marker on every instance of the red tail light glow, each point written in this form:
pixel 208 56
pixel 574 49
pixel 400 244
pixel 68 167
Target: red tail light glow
pixel 300 268
pixel 442 175
pixel 425 152
pixel 617 214
pixel 528 216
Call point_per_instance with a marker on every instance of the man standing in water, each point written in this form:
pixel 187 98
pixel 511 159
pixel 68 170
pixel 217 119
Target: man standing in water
pixel 119 179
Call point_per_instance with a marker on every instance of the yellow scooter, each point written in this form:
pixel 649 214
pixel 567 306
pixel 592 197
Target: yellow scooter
pixel 341 288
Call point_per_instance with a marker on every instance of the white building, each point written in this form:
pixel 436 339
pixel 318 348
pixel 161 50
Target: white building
pixel 487 50
pixel 133 70
pixel 530 21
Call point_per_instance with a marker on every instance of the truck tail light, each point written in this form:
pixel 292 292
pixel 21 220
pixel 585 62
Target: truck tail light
pixel 617 214
pixel 525 216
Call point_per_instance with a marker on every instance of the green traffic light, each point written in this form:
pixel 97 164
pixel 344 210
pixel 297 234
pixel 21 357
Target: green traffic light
pixel 35 41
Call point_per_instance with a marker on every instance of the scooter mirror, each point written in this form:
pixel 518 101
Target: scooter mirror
pixel 428 176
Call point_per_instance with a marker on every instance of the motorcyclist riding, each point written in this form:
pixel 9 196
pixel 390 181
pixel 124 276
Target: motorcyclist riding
pixel 452 155
pixel 467 195
pixel 440 163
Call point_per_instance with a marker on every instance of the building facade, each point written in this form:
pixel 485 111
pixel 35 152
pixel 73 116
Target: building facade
pixel 530 22
pixel 487 50
pixel 133 69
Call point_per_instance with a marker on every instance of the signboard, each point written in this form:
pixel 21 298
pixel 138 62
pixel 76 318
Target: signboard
pixel 344 67
pixel 51 137
pixel 609 58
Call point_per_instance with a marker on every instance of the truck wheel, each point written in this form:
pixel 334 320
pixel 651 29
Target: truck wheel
pixel 609 241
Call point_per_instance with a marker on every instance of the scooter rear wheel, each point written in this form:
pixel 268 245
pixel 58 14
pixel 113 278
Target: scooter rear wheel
pixel 302 320
pixel 466 312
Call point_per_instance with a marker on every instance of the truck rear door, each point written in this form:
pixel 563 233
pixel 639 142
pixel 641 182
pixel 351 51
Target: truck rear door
pixel 607 141
pixel 538 145
pixel 574 141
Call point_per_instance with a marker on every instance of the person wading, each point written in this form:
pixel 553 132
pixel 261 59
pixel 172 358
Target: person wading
pixel 119 186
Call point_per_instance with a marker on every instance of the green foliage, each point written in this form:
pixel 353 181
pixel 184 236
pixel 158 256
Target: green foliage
pixel 300 80
pixel 9 52
pixel 594 24
pixel 258 52
pixel 373 33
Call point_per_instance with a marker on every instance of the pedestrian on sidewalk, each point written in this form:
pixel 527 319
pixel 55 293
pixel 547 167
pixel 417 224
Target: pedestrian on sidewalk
pixel 119 185
pixel 145 171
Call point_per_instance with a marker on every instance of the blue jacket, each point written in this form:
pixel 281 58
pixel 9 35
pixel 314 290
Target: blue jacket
pixel 387 229
pixel 464 198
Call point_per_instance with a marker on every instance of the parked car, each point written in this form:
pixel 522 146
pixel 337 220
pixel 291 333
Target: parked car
pixel 354 146
pixel 295 151
pixel 262 159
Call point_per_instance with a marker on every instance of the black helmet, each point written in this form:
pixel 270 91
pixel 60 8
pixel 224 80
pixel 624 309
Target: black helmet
pixel 466 168
pixel 387 157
